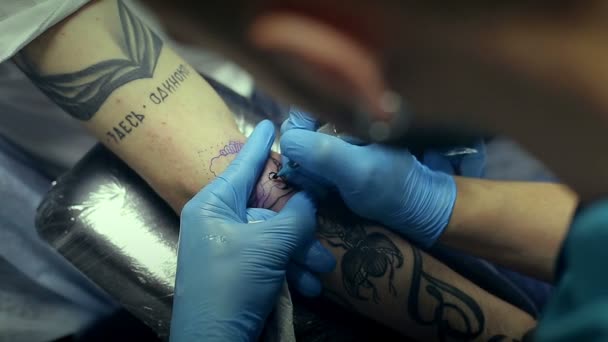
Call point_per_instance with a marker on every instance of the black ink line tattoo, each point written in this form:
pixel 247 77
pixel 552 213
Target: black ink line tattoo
pixel 82 93
pixel 374 255
pixel 367 255
pixel 271 190
pixel 134 120
pixel 438 289
pixel 130 122
pixel 170 85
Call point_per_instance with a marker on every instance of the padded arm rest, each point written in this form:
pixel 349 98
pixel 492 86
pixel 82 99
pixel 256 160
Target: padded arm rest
pixel 113 227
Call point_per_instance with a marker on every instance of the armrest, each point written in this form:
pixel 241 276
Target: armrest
pixel 111 225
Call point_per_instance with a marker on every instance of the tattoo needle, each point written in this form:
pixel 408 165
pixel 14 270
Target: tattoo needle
pixel 288 169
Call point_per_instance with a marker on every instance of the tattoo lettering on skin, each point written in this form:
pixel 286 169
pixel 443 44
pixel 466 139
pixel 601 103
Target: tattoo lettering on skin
pixel 170 85
pixel 82 93
pixel 230 150
pixel 368 255
pixel 133 120
pixel 271 189
pixel 130 122
pixel 451 302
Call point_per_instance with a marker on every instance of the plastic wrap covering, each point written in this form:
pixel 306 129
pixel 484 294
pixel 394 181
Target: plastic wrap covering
pixel 112 226
pixel 107 222
pixel 42 297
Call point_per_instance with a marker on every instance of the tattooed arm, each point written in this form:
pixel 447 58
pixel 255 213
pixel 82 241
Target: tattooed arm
pixel 384 277
pixel 107 69
pixel 146 104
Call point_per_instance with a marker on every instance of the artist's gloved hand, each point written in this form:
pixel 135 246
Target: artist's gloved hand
pixel 229 271
pixel 380 183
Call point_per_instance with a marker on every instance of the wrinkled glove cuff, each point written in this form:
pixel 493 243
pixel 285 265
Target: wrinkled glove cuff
pixel 431 196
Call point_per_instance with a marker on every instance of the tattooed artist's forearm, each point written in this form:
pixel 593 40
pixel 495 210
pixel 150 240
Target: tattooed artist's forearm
pixel 470 320
pixel 379 272
pixel 387 279
pixel 366 256
pixel 82 92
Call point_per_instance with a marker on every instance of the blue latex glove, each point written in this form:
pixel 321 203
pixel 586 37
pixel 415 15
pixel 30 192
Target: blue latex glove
pixel 229 271
pixel 380 183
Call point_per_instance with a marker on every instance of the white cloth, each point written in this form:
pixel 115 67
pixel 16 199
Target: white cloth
pixel 21 21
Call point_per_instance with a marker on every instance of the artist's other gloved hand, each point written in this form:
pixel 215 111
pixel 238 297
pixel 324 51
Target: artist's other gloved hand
pixel 383 184
pixel 229 271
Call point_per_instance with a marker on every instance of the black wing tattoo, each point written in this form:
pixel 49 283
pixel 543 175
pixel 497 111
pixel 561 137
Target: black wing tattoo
pixel 82 93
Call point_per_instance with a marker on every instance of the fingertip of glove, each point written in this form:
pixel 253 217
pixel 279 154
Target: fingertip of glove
pixel 302 116
pixel 311 288
pixel 285 126
pixel 321 260
pixel 265 126
pixel 291 137
pixel 262 137
pixel 302 210
pixel 296 144
pixel 266 122
pixel 306 283
pixel 304 201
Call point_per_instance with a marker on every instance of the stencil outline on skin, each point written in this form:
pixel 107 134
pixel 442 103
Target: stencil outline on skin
pixel 231 149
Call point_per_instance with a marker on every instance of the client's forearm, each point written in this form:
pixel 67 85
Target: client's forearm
pixel 107 69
